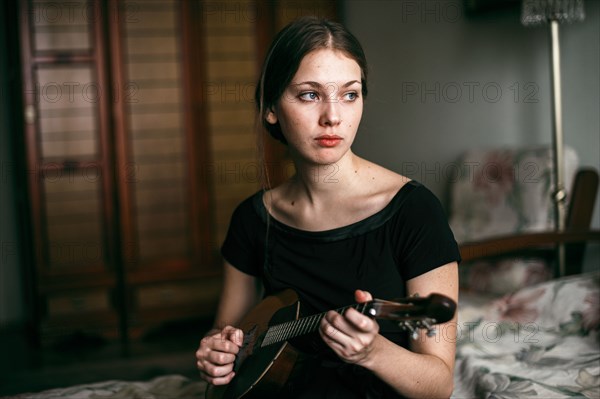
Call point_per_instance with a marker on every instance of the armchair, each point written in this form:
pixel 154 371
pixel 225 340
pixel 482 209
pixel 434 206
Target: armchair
pixel 501 212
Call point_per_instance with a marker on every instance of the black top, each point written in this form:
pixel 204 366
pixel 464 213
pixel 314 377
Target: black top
pixel 407 238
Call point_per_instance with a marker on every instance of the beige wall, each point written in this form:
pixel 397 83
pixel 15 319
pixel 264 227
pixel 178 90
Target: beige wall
pixel 443 81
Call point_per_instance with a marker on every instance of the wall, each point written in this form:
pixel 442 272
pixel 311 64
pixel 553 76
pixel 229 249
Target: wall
pixel 443 81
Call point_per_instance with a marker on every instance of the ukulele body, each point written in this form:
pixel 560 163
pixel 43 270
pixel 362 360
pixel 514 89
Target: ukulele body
pixel 262 372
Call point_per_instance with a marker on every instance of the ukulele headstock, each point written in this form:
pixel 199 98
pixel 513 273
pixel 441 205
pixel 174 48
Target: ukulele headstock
pixel 414 313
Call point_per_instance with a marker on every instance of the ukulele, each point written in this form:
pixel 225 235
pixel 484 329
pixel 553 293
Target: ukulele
pixel 267 360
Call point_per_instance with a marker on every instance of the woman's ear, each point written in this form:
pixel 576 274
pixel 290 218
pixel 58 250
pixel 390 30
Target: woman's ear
pixel 271 117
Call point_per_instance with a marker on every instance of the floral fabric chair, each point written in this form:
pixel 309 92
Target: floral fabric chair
pixel 502 192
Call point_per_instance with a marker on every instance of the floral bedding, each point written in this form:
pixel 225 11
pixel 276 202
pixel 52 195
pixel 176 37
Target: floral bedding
pixel 165 387
pixel 540 341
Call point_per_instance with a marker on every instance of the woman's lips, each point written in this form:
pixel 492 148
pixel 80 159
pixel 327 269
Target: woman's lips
pixel 328 140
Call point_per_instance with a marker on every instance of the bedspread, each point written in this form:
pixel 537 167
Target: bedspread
pixel 165 387
pixel 540 341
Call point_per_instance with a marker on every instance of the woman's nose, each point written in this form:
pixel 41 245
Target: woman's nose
pixel 330 115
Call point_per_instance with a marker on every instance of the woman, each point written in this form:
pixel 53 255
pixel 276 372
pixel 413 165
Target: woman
pixel 342 229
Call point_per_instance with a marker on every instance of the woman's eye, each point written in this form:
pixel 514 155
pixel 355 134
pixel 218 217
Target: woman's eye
pixel 352 96
pixel 309 96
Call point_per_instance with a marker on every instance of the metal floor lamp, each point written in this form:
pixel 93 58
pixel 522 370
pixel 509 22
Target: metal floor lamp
pixel 553 13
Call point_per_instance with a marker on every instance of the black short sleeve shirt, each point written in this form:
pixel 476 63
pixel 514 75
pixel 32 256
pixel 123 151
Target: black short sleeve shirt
pixel 407 238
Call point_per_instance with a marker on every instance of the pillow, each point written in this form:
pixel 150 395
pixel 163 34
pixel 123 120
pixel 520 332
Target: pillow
pixel 567 305
pixel 500 277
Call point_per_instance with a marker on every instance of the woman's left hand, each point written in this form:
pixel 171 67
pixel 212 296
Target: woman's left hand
pixel 351 335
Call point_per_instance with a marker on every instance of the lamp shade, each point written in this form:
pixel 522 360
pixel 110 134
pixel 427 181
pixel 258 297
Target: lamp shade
pixel 537 12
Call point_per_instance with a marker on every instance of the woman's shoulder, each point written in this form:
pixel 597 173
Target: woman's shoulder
pixel 382 183
pixel 397 191
pixel 380 190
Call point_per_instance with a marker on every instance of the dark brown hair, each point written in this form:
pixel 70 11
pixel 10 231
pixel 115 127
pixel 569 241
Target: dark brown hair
pixel 289 47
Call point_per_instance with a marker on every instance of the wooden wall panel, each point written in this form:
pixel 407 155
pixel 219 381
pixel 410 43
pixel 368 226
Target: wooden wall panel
pixel 156 136
pixel 229 93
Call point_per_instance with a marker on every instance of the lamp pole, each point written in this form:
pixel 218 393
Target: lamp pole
pixel 553 12
pixel 559 195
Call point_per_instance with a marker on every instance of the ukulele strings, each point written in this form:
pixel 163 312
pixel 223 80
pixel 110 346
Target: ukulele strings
pixel 305 325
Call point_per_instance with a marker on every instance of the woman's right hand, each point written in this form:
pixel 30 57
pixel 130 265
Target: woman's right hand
pixel 216 354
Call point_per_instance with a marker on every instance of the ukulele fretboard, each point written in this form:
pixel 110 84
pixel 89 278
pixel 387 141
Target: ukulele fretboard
pixel 305 325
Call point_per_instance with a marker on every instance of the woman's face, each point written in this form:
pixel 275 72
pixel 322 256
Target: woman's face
pixel 320 110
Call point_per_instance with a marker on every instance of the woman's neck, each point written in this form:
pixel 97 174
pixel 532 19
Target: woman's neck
pixel 323 197
pixel 327 182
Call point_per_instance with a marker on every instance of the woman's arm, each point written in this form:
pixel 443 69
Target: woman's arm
pixel 218 348
pixel 241 292
pixel 427 369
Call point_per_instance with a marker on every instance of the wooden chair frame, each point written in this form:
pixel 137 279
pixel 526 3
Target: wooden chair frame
pixel 575 236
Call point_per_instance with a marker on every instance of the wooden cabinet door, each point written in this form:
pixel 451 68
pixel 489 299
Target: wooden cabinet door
pixel 69 162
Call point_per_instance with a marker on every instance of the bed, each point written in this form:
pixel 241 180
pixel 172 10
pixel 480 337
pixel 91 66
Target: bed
pixel 163 387
pixel 539 341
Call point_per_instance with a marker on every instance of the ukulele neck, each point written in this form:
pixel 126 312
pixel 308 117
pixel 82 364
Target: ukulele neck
pixel 306 325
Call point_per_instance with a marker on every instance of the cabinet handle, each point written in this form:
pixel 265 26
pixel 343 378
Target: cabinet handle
pixel 29 114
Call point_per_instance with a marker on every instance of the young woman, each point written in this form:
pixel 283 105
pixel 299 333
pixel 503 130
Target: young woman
pixel 341 230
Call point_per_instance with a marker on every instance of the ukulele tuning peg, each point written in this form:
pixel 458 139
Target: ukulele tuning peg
pixel 414 333
pixel 410 328
pixel 431 331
